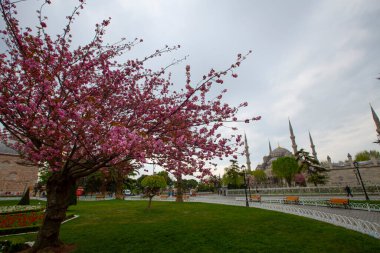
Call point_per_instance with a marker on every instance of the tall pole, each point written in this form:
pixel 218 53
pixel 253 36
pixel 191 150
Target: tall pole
pixel 361 181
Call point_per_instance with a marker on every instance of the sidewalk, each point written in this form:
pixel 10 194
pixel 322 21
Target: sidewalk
pixel 359 220
pixel 358 214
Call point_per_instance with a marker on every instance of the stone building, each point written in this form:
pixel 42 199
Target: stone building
pixel 345 173
pixel 272 156
pixel 16 174
pixel 277 153
pixel 342 173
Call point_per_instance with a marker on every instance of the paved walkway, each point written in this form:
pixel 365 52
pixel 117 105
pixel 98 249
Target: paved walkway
pixel 358 214
pixel 359 220
pixel 218 199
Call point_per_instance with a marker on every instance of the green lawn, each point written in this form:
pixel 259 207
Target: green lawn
pixel 126 226
pixel 365 201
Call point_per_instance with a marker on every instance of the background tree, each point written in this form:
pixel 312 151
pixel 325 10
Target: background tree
pixel 166 176
pixel 189 184
pixel 366 155
pixel 286 168
pixel 259 176
pixel 93 183
pixel 205 187
pixel 232 176
pixel 299 179
pixel 215 182
pixel 117 174
pixel 152 186
pixel 307 163
pixel 131 184
pixel 139 185
pixel 80 109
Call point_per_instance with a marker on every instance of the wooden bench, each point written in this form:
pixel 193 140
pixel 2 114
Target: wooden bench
pixel 292 200
pixel 339 202
pixel 100 196
pixel 255 198
pixel 164 196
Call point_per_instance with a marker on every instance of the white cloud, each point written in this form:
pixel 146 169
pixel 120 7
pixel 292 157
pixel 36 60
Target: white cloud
pixel 313 61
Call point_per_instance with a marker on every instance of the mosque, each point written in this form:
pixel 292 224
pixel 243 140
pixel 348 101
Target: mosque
pixel 342 173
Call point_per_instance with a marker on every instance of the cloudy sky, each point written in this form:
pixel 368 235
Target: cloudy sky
pixel 315 62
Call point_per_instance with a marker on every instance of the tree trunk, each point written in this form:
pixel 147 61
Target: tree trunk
pixel 119 185
pixel 58 195
pixel 150 201
pixel 103 188
pixel 289 181
pixel 179 196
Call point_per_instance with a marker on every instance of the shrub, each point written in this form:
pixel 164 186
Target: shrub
pixel 25 200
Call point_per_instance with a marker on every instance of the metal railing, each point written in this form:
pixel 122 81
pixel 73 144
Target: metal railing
pixel 323 202
pixel 306 191
pixel 366 227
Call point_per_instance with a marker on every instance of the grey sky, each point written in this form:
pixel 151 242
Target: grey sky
pixel 313 61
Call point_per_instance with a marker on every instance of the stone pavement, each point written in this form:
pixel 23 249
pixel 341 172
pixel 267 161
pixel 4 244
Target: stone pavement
pixel 358 214
pixel 373 217
pixel 359 220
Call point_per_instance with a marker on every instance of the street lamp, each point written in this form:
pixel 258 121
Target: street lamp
pixel 356 164
pixel 245 185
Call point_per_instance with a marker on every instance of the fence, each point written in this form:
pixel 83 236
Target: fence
pixel 322 202
pixel 366 227
pixel 359 225
pixel 306 191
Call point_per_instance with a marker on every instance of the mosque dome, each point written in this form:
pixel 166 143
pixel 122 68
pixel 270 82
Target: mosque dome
pixel 280 152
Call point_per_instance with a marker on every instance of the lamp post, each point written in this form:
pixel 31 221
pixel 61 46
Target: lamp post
pixel 356 164
pixel 245 185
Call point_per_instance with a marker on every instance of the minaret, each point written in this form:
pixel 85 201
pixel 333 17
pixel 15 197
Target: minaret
pixel 247 152
pixel 270 148
pixel 293 138
pixel 312 147
pixel 376 119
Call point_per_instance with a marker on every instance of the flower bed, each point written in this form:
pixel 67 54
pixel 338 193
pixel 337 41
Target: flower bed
pixel 18 219
pixel 18 209
pixel 25 219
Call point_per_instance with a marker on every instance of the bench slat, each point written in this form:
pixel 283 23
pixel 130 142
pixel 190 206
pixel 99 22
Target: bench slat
pixel 255 198
pixel 291 199
pixel 339 202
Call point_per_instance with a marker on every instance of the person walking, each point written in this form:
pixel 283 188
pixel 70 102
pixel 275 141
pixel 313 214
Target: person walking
pixel 348 190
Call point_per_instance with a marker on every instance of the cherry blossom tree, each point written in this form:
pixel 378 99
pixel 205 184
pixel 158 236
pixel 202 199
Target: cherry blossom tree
pixel 80 109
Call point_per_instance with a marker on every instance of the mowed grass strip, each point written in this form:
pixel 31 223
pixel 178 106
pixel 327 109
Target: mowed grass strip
pixel 127 226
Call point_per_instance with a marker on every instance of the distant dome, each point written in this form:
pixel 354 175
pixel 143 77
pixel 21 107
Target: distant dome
pixel 280 152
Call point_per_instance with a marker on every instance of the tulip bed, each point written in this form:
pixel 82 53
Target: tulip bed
pixel 15 219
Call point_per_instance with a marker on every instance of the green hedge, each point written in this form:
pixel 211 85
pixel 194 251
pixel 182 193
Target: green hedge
pixel 19 230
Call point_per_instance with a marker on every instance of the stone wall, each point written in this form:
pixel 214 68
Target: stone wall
pixel 16 174
pixel 345 174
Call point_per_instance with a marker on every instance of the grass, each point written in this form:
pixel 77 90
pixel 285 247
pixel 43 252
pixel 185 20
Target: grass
pixel 127 226
pixel 366 201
